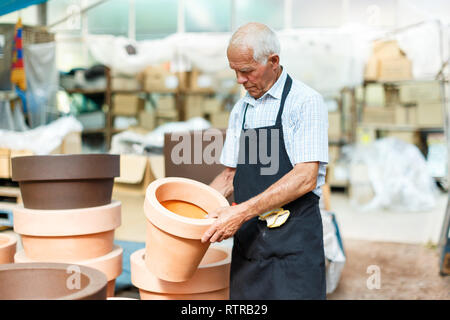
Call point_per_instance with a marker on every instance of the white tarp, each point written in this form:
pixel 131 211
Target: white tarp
pixel 327 60
pixel 42 81
pixel 40 140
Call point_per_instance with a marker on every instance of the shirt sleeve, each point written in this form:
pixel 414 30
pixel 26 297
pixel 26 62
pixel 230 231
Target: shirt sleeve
pixel 310 131
pixel 230 151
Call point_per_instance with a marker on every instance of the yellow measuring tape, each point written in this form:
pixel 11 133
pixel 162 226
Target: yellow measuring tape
pixel 275 217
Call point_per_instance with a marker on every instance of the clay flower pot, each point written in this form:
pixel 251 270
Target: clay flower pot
pixel 66 181
pixel 39 281
pixel 7 248
pixel 210 281
pixel 110 264
pixel 67 235
pixel 173 246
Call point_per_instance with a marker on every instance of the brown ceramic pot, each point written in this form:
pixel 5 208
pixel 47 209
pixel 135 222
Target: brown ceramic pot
pixel 67 235
pixel 210 281
pixel 110 264
pixel 173 246
pixel 8 245
pixel 48 281
pixel 66 181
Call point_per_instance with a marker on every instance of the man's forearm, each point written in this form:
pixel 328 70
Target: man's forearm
pixel 224 182
pixel 291 186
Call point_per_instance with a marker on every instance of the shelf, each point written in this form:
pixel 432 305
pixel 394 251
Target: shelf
pixel 92 131
pixel 396 127
pixel 86 91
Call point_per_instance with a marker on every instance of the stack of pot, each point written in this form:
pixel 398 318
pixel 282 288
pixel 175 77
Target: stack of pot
pixel 67 214
pixel 175 264
pixel 8 244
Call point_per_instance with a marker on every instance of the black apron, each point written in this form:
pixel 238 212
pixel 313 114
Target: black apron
pixel 286 262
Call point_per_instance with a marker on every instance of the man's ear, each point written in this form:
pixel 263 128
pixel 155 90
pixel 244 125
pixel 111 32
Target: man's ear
pixel 274 59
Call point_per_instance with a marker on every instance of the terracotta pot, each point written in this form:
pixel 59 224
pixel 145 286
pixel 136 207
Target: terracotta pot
pixel 173 245
pixel 210 281
pixel 39 281
pixel 110 264
pixel 8 245
pixel 67 235
pixel 66 181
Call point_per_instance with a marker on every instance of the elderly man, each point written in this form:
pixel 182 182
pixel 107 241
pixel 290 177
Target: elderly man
pixel 278 240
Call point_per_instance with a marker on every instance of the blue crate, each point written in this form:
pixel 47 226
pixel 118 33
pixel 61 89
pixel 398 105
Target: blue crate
pixel 6 217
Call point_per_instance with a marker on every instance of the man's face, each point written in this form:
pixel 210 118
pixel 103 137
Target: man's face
pixel 256 78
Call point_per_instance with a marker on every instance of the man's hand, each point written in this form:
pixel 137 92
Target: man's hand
pixel 229 220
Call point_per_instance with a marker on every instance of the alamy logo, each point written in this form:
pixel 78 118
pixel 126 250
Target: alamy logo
pixel 374 280
pixel 73 281
pixel 262 149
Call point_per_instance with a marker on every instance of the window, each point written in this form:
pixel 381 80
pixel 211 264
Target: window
pixel 155 18
pixel 207 15
pixel 316 14
pixel 269 12
pixel 110 17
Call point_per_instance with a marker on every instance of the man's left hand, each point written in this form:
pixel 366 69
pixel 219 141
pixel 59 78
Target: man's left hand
pixel 229 220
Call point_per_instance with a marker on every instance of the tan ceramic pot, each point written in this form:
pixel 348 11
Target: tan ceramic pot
pixel 173 246
pixel 8 245
pixel 210 281
pixel 110 264
pixel 67 235
pixel 42 281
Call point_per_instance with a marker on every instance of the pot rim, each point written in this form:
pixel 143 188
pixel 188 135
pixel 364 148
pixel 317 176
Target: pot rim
pixel 65 167
pixel 165 220
pixel 97 279
pixel 144 279
pixel 67 222
pixel 110 264
pixel 12 240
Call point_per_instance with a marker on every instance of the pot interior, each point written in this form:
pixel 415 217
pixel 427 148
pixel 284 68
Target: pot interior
pixel 184 208
pixel 24 284
pixel 206 200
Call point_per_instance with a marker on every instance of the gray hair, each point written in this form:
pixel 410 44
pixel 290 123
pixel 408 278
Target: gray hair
pixel 258 37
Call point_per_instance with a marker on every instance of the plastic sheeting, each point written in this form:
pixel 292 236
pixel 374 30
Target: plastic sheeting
pixel 327 60
pixel 42 81
pixel 41 140
pixel 334 250
pixel 132 142
pixel 392 174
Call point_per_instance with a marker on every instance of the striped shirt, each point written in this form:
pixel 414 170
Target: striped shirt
pixel 304 120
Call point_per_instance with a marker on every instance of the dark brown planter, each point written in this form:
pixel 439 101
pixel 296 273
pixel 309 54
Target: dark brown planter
pixel 66 181
pixel 50 281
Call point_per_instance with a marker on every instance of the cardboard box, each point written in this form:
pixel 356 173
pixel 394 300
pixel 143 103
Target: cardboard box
pixel 334 125
pixel 430 114
pixel 125 84
pixel 193 106
pixel 405 115
pixel 212 105
pixel 379 115
pixel 147 120
pixel 4 163
pixel 127 104
pixel 135 174
pixel 336 175
pixel 200 82
pixel 375 95
pixel 333 153
pixel 387 63
pixel 158 79
pixel 420 92
pixel 220 119
pixel 395 69
pixel 166 102
pixel 167 113
pixel 411 137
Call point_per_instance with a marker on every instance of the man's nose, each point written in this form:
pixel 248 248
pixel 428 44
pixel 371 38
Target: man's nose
pixel 240 78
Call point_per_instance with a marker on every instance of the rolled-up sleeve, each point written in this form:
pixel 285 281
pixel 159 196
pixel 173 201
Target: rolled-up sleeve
pixel 230 151
pixel 310 131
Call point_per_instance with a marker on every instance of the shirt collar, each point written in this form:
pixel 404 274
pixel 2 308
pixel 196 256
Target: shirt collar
pixel 275 91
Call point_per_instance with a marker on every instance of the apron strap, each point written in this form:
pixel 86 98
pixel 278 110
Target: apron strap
pixel 286 89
